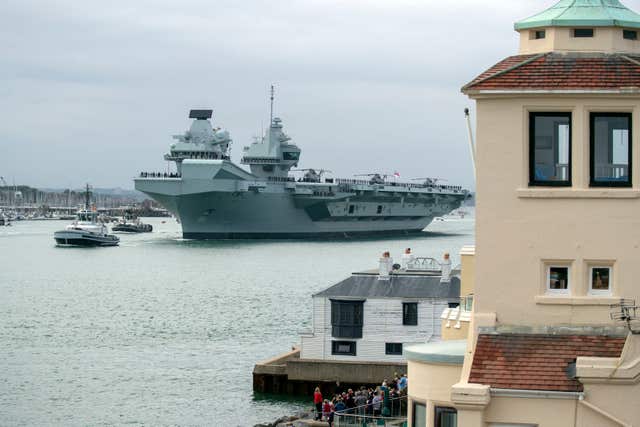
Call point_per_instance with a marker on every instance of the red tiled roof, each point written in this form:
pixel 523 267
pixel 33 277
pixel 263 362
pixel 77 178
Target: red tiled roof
pixel 536 362
pixel 549 71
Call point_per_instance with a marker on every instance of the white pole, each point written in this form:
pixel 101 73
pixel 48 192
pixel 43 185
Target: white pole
pixel 472 146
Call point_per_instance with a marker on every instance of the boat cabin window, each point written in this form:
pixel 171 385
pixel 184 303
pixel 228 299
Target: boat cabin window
pixel 379 210
pixel 610 149
pixel 630 34
pixel 550 149
pixel 351 208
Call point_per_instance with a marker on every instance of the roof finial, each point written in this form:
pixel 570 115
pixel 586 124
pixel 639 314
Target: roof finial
pixel 271 113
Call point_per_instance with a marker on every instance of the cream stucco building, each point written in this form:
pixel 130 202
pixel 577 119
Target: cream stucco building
pixel 557 236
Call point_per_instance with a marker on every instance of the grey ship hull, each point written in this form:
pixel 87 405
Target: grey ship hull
pixel 218 200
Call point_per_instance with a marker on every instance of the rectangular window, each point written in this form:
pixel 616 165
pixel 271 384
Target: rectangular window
pixel 583 32
pixel 351 209
pixel 346 319
pixel 343 348
pixel 538 34
pixel 630 34
pixel 446 417
pixel 290 155
pixel 550 149
pixel 379 210
pixel 393 348
pixel 419 416
pixel 410 313
pixel 558 279
pixel 600 280
pixel 610 158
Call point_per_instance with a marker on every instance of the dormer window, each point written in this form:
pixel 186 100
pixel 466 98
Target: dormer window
pixel 538 34
pixel 583 32
pixel 629 34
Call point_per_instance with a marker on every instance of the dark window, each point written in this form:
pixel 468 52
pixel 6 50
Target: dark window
pixel 550 149
pixel 379 209
pixel 583 32
pixel 610 149
pixel 343 348
pixel 600 279
pixel 630 34
pixel 419 418
pixel 446 417
pixel 393 348
pixel 558 279
pixel 410 313
pixel 351 208
pixel 290 155
pixel 346 319
pixel 539 34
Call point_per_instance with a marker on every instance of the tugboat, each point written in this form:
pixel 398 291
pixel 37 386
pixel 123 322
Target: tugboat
pixel 131 224
pixel 86 230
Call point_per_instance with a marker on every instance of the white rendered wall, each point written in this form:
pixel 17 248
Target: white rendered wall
pixel 382 324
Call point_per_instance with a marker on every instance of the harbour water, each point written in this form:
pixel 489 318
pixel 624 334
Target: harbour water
pixel 161 330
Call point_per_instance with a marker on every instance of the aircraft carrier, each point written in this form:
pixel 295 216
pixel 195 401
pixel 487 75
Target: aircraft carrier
pixel 214 198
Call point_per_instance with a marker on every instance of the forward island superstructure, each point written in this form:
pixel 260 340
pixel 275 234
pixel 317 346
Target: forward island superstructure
pixel 214 198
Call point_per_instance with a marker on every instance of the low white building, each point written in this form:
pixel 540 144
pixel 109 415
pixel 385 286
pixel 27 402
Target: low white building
pixel 368 317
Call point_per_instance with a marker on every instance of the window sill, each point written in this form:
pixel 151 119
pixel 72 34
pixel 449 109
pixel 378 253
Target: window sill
pixel 571 193
pixel 571 300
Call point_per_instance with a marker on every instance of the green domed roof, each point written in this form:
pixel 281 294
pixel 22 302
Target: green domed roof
pixel 583 13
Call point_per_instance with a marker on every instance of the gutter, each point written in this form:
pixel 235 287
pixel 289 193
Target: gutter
pixel 538 394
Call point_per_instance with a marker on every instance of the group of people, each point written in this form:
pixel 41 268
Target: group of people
pixel 365 401
pixel 159 175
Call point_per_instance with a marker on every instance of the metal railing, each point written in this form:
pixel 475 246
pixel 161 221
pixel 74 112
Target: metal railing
pixel 159 175
pixel 366 415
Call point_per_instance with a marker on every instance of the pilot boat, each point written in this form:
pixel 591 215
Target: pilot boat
pixel 86 230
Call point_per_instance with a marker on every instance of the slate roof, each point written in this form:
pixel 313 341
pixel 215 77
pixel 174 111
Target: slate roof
pixel 399 286
pixel 555 71
pixel 536 362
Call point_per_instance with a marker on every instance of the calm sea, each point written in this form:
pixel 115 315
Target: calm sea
pixel 160 330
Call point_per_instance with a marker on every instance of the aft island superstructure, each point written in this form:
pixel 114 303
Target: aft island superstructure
pixel 214 198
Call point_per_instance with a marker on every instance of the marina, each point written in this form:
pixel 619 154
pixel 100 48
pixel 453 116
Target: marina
pixel 163 330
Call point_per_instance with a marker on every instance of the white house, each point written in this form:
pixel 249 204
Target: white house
pixel 370 317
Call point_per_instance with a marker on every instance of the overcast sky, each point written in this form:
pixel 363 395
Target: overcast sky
pixel 93 90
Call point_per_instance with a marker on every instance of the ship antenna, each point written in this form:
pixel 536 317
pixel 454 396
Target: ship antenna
pixel 271 112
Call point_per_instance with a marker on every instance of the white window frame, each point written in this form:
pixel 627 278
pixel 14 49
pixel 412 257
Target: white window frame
pixel 548 279
pixel 600 291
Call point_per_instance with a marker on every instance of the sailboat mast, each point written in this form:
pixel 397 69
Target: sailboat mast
pixel 86 198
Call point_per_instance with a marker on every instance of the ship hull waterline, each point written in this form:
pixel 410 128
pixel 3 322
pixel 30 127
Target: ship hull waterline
pixel 224 215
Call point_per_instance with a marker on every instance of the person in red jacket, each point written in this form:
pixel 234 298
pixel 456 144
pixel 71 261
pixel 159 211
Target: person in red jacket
pixel 317 400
